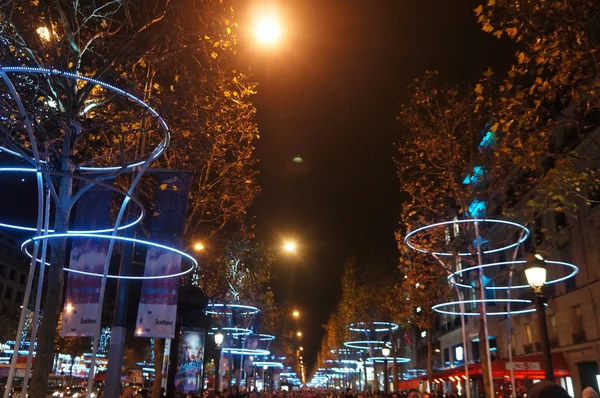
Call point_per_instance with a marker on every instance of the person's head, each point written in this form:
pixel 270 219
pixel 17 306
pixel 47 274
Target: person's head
pixel 547 389
pixel 589 393
pixel 412 393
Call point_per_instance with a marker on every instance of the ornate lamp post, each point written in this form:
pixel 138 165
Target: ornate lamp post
pixel 536 277
pixel 385 351
pixel 219 337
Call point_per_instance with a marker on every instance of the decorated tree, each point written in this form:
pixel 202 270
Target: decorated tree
pixel 186 70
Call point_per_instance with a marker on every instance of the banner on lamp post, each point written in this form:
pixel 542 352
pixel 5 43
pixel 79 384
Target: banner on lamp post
pixel 158 302
pixel 80 310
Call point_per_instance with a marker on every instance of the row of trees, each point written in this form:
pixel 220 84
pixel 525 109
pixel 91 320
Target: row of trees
pixel 514 145
pixel 181 58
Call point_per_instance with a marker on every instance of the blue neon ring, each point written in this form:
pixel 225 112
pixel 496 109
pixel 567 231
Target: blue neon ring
pixel 268 364
pixel 193 261
pixel 352 361
pixel 128 197
pixel 234 331
pixel 364 344
pixel 261 337
pixel 160 148
pixel 354 327
pixel 408 242
pixel 574 271
pixel 437 307
pixel 245 351
pixel 383 359
pixel 210 309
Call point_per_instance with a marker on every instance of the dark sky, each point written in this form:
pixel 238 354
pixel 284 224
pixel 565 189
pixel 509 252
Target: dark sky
pixel 330 93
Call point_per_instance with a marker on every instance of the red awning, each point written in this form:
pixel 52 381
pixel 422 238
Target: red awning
pixel 408 384
pixel 530 366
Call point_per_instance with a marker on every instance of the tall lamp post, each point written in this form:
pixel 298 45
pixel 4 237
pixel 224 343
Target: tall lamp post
pixel 536 277
pixel 219 337
pixel 386 385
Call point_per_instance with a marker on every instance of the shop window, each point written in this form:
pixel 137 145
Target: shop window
pixel 577 318
pixel 552 323
pixel 528 334
pixel 560 219
pixel 565 253
pixel 446 356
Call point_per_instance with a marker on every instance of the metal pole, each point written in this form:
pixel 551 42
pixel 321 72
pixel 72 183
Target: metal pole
pixel 19 337
pixel 218 371
pixel 513 382
pixel 111 246
pixel 40 186
pixel 483 310
pixel 386 386
pixel 38 297
pixel 541 314
pixel 119 329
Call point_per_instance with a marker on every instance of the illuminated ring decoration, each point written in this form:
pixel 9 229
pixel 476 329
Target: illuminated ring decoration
pixel 344 370
pixel 379 326
pixel 409 242
pixel 128 197
pixel 192 260
pixel 222 309
pixel 573 267
pixel 365 344
pixel 261 337
pixel 438 307
pixel 234 331
pixel 342 361
pixel 373 360
pixel 245 351
pixel 268 364
pixel 160 148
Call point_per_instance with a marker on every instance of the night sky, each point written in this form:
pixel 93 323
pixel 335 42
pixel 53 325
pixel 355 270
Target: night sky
pixel 330 93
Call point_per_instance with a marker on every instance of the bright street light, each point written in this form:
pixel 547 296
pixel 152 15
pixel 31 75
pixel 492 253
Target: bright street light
pixel 535 272
pixel 198 246
pixel 301 348
pixel 289 247
pixel 219 338
pixel 296 314
pixel 268 30
pixel 299 334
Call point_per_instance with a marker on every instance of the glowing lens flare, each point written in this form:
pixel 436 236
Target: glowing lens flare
pixel 268 30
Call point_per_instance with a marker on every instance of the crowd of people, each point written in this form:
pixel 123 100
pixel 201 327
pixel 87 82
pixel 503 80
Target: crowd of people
pixel 543 389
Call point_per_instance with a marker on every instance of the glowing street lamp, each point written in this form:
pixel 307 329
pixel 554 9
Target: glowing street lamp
pixel 299 334
pixel 535 272
pixel 219 337
pixel 296 314
pixel 268 30
pixel 199 246
pixel 289 247
pixel 301 348
pixel 385 351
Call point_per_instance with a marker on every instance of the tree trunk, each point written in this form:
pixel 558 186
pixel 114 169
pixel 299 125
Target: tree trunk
pixel 395 364
pixel 429 360
pixel 483 355
pixel 159 352
pixel 54 296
